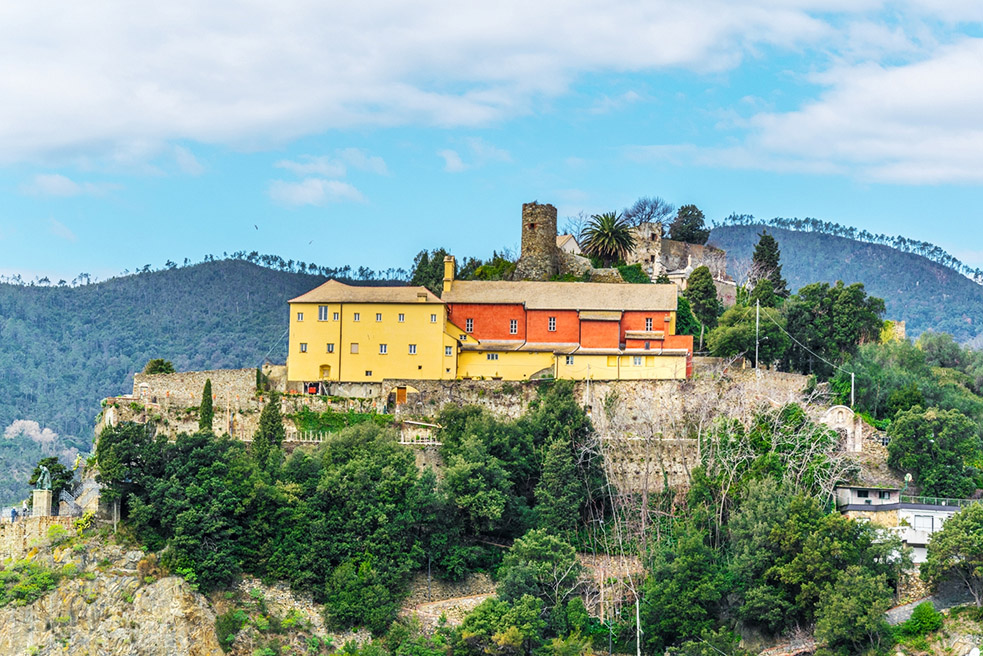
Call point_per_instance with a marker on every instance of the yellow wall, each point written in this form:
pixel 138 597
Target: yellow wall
pixel 510 365
pixel 622 367
pixel 429 337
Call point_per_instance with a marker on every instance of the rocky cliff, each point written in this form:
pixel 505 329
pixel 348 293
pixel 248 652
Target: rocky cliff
pixel 109 601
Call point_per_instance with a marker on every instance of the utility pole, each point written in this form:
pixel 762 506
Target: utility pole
pixel 757 326
pixel 853 380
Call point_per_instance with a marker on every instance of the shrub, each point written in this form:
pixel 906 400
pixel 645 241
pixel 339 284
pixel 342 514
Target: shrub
pixel 924 620
pixel 227 625
pixel 57 534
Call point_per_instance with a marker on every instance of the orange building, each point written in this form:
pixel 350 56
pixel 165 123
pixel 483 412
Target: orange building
pixel 520 330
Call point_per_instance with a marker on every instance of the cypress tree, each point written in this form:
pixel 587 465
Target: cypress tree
pixel 270 433
pixel 702 296
pixel 558 492
pixel 767 263
pixel 688 226
pixel 205 411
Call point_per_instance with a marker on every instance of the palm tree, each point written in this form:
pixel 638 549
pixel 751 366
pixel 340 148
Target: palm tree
pixel 608 237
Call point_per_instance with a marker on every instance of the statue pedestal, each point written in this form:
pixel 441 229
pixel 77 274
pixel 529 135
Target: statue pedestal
pixel 42 503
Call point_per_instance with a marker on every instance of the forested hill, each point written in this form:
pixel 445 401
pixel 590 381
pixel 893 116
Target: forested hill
pixel 62 349
pixel 924 294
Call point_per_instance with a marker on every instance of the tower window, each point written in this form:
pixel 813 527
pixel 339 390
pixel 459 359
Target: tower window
pixel 648 323
pixel 468 325
pixel 551 324
pixel 513 326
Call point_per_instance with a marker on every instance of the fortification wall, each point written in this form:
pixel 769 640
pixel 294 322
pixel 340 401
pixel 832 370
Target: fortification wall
pixel 23 537
pixel 183 389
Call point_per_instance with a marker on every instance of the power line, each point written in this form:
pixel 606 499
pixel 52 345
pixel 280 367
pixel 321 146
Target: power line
pixel 275 344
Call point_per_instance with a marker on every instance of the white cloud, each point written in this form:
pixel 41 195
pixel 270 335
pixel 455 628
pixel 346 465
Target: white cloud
pixel 56 184
pixel 914 123
pixel 480 152
pixel 60 230
pixel 452 161
pixel 362 161
pixel 32 430
pixel 311 165
pixel 606 104
pixel 103 81
pixel 313 191
pixel 187 162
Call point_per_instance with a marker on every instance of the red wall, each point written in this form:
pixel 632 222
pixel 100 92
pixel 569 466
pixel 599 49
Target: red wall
pixel 490 321
pixel 633 320
pixel 567 326
pixel 600 334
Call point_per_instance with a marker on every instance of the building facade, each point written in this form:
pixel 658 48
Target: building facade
pixel 341 332
pixel 485 330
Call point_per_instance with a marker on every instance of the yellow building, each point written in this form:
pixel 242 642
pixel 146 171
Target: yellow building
pixel 346 333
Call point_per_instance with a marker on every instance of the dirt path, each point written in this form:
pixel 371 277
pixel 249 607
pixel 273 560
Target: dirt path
pixel 453 610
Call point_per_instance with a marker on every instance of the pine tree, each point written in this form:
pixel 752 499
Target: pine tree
pixel 688 226
pixel 205 411
pixel 558 492
pixel 767 264
pixel 270 433
pixel 702 296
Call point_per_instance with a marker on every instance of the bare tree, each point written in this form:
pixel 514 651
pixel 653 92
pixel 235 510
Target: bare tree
pixel 574 225
pixel 649 209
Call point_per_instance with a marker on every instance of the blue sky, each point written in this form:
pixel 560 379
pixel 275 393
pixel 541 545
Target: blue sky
pixel 340 135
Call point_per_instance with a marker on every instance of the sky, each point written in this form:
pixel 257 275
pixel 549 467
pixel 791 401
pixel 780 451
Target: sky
pixel 361 133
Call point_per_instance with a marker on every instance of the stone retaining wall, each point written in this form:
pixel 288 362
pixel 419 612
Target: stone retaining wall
pixel 19 539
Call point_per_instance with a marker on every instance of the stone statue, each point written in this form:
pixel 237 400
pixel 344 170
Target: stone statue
pixel 44 479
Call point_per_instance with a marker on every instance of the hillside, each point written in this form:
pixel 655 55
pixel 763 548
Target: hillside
pixel 62 349
pixel 924 294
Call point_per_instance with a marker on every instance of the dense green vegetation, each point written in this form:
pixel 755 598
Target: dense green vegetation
pixel 755 540
pixel 925 294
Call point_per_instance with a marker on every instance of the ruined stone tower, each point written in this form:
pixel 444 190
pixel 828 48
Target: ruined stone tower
pixel 538 259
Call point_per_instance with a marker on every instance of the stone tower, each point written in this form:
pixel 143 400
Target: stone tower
pixel 538 259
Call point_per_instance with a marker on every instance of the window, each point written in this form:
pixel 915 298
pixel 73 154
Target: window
pixel 336 316
pixel 861 494
pixel 648 345
pixel 401 317
pixel 464 337
pixel 330 348
pixel 636 361
pixel 448 350
pixel 382 349
pixel 551 324
pixel 355 347
pixel 468 325
pixel 412 349
pixel 884 495
pixel 303 347
pixel 378 316
pixel 368 372
pixel 923 523
pixel 356 316
pixel 300 316
pixel 322 312
pixel 433 318
pixel 648 323
pixel 491 356
pixel 569 360
pixel 513 326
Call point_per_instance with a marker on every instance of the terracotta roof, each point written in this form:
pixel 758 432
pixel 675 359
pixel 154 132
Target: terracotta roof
pixel 645 334
pixel 565 295
pixel 338 292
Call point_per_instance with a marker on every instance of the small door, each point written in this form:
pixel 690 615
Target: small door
pixel 400 395
pixel 325 371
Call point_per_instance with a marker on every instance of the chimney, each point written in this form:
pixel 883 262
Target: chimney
pixel 449 266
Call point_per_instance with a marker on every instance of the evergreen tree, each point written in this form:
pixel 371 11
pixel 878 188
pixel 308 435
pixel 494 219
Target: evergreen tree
pixel 767 264
pixel 764 293
pixel 702 296
pixel 270 433
pixel 688 226
pixel 558 492
pixel 205 411
pixel 428 270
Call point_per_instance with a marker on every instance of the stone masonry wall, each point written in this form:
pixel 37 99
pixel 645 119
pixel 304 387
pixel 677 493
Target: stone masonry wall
pixel 538 260
pixel 19 539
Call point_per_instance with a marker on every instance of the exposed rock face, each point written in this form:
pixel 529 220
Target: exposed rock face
pixel 109 609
